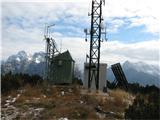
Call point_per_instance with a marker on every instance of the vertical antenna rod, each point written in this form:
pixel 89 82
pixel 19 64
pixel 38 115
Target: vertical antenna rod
pixel 50 51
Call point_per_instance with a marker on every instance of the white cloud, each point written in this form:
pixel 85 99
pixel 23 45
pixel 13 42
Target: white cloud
pixel 15 39
pixel 145 11
pixel 114 51
pixel 115 24
pixel 50 1
pixel 140 51
pixel 30 13
pixel 152 24
pixel 33 16
pixel 111 52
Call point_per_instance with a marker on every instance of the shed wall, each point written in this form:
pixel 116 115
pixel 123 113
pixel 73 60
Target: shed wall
pixel 63 73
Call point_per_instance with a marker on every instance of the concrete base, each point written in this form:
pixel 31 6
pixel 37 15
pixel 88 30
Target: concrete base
pixel 102 77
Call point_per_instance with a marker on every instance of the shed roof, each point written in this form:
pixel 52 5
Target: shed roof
pixel 64 56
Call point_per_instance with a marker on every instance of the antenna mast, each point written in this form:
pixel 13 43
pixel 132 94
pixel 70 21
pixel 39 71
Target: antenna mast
pixel 50 51
pixel 95 33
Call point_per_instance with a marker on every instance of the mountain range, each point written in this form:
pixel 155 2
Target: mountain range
pixel 139 72
pixel 24 63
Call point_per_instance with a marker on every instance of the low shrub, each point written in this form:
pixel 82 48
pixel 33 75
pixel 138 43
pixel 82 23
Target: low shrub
pixel 11 81
pixel 144 107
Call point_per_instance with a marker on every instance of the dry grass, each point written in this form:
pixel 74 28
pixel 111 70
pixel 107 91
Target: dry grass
pixel 32 91
pixel 72 104
pixel 117 101
pixel 119 97
pixel 57 105
pixel 119 93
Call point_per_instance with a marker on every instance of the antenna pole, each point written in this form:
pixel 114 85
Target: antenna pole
pixel 50 52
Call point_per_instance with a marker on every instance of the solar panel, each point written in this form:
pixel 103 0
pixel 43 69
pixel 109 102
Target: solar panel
pixel 121 80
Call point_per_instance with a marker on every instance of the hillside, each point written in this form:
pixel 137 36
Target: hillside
pixel 64 102
pixel 31 97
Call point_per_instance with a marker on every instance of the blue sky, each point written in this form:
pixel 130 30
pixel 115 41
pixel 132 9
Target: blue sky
pixel 134 34
pixel 132 26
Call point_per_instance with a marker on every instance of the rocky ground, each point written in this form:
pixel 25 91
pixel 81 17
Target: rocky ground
pixel 64 103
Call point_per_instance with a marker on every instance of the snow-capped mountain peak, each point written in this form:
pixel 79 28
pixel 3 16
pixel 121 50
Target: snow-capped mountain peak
pixel 39 57
pixel 37 61
pixel 18 59
pixel 24 63
pixel 22 54
pixel 29 57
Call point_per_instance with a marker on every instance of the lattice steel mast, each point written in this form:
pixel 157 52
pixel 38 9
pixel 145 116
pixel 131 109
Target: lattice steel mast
pixel 95 42
pixel 50 52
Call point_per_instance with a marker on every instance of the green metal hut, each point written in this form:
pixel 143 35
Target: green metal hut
pixel 62 69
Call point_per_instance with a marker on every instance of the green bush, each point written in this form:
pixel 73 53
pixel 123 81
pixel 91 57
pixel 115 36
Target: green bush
pixel 11 81
pixel 144 107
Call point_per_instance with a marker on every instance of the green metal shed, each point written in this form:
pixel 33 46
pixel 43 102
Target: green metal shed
pixel 62 69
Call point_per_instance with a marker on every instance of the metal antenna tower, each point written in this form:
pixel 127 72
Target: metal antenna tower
pixel 50 51
pixel 95 33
